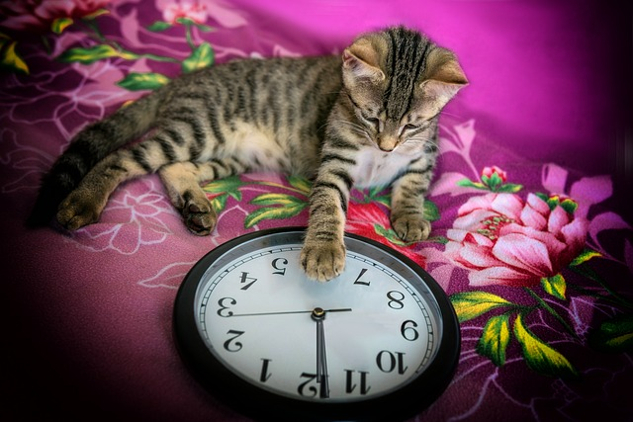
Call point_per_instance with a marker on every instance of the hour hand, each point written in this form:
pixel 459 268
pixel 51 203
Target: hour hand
pixel 318 315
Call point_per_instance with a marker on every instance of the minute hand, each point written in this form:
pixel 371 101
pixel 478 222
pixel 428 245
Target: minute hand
pixel 291 312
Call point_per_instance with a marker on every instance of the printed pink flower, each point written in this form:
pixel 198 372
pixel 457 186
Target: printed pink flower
pixel 38 15
pixel 193 10
pixel 490 171
pixel 369 220
pixel 503 240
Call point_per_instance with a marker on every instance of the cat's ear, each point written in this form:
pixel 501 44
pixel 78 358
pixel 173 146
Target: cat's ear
pixel 443 78
pixel 361 61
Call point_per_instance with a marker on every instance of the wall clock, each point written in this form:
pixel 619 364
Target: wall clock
pixel 379 342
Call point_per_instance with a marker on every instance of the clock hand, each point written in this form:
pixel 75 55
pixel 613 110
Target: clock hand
pixel 292 312
pixel 318 315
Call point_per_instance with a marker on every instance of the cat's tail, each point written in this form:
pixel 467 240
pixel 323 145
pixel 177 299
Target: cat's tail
pixel 87 148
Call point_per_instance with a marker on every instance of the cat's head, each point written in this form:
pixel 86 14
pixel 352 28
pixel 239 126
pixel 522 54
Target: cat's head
pixel 397 81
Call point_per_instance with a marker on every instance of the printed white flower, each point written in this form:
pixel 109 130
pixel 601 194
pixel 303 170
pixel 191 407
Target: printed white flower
pixel 138 216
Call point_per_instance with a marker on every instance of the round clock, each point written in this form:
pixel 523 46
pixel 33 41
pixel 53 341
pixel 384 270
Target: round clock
pixel 379 342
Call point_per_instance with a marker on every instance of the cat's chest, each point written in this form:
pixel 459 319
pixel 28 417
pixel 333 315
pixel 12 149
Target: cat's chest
pixel 377 168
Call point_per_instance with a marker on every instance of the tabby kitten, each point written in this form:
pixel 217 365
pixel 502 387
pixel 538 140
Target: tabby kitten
pixel 366 118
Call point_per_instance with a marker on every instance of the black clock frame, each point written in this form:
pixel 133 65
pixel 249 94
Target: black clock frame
pixel 264 405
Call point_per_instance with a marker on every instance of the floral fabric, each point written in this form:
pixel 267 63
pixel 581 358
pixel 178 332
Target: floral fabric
pixel 528 239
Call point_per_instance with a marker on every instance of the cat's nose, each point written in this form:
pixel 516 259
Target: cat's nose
pixel 387 143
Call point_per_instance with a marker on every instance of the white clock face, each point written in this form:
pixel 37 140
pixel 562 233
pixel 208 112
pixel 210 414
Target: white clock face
pixel 362 335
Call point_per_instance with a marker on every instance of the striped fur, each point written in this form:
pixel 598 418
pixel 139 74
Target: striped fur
pixel 364 119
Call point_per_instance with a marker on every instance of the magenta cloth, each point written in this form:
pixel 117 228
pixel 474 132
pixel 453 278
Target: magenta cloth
pixel 531 237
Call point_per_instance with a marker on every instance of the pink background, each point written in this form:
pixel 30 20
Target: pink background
pixel 86 317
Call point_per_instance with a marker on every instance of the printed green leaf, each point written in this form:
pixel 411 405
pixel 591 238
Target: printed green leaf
pixel 385 200
pixel 555 286
pixel 509 188
pixel 492 181
pixel 470 305
pixel 273 213
pixel 569 205
pixel 542 196
pixel 376 191
pixel 159 26
pixel 539 356
pixel 92 54
pixel 190 22
pixel 467 183
pixel 201 57
pixel 615 335
pixel 431 211
pixel 300 183
pixel 552 202
pixel 219 203
pixel 584 256
pixel 230 185
pixel 60 24
pixel 494 339
pixel 185 21
pixel 283 199
pixel 10 58
pixel 389 234
pixel 141 81
pixel 203 27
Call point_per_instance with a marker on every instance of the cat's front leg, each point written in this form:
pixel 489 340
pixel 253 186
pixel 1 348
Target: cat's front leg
pixel 323 253
pixel 182 182
pixel 407 206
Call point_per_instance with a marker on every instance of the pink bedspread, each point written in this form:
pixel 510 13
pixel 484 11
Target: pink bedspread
pixel 531 239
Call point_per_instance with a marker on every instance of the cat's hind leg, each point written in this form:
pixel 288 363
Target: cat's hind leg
pixel 85 204
pixel 182 182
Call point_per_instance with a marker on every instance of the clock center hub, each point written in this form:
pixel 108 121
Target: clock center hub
pixel 318 313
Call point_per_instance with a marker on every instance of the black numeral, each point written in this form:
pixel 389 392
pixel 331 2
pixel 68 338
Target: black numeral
pixel 281 269
pixel 231 345
pixel 312 390
pixel 223 311
pixel 359 281
pixel 264 375
pixel 408 331
pixel 388 361
pixel 350 385
pixel 396 299
pixel 247 281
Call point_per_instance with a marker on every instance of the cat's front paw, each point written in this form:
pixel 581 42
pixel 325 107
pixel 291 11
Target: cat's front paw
pixel 79 209
pixel 411 227
pixel 322 261
pixel 200 218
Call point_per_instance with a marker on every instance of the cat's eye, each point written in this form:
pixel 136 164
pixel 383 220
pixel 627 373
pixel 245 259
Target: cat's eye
pixel 374 122
pixel 410 127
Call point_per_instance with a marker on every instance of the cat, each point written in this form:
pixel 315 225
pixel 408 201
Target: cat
pixel 367 117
